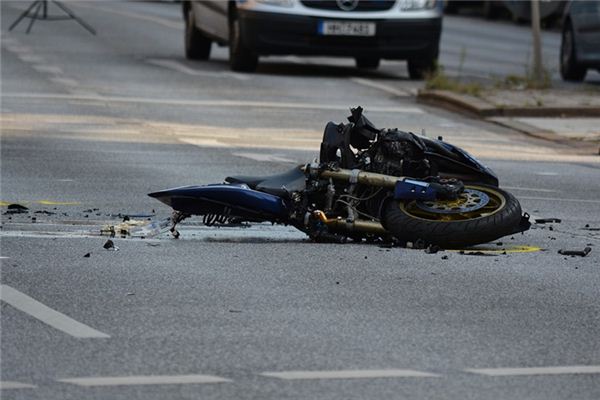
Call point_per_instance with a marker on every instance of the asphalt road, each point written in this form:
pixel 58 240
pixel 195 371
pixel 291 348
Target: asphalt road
pixel 90 124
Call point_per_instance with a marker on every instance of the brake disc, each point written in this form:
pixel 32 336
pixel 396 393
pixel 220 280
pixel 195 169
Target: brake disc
pixel 468 201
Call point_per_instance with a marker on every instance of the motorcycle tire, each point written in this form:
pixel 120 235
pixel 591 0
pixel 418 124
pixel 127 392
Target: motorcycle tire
pixel 457 223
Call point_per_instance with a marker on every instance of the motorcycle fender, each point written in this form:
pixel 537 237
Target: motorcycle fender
pixel 238 200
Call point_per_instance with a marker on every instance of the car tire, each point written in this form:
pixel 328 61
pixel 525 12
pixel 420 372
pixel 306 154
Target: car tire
pixel 197 46
pixel 241 58
pixel 368 62
pixel 419 69
pixel 569 69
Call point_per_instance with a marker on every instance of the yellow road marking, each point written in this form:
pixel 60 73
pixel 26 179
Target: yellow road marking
pixel 502 250
pixel 43 202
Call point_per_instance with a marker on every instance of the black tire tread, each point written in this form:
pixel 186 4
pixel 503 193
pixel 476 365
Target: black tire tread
pixel 456 233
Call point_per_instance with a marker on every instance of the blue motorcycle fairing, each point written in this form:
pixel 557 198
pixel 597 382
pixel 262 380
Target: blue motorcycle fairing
pixel 236 200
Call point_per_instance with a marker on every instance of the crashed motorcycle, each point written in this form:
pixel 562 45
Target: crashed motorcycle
pixel 369 184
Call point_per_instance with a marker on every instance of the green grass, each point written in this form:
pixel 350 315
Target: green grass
pixel 440 81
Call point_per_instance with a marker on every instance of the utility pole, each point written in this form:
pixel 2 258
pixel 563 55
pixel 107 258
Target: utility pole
pixel 537 41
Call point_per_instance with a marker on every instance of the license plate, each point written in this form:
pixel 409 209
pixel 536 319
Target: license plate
pixel 345 28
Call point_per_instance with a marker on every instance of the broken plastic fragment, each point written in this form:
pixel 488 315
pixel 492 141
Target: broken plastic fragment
pixel 581 253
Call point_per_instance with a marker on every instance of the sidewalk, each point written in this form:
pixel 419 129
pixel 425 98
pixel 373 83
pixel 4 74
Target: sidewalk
pixel 567 114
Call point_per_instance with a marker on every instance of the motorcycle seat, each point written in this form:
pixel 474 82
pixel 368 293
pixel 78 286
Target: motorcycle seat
pixel 279 185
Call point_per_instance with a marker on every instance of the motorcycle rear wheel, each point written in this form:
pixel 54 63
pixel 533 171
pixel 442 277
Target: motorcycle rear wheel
pixel 455 223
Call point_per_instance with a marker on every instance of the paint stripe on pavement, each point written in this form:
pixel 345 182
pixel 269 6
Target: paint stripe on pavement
pixel 15 385
pixel 350 374
pixel 47 315
pixel 574 369
pixel 211 103
pixel 144 380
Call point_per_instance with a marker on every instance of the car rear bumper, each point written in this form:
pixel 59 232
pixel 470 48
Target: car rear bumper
pixel 278 34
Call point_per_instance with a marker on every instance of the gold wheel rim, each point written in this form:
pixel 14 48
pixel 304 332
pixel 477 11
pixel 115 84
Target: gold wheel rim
pixel 497 201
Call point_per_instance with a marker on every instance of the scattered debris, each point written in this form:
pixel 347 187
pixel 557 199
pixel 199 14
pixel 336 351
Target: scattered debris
pixel 444 257
pixel 550 228
pixel 44 212
pixel 110 245
pixel 587 227
pixel 130 294
pixel 547 220
pixel 581 253
pixel 126 218
pixel 475 253
pixel 87 255
pixel 16 209
pixel 499 244
pixel 33 219
pixel 432 249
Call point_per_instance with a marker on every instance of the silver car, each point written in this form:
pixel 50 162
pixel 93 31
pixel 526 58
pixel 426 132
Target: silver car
pixel 367 30
pixel 580 46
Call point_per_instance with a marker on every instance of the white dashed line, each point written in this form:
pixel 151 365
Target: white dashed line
pixel 15 385
pixel 64 81
pixel 31 58
pixel 530 189
pixel 50 69
pixel 565 370
pixel 212 103
pixel 179 67
pixel 380 86
pixel 144 380
pixel 264 157
pixel 350 374
pixel 47 315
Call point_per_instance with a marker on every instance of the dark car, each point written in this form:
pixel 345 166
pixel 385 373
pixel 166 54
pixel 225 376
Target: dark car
pixel 580 46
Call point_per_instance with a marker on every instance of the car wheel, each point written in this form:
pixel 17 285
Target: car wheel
pixel 367 62
pixel 569 69
pixel 197 46
pixel 240 57
pixel 419 69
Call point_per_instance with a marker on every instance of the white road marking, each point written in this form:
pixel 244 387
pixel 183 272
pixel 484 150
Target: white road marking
pixel 546 173
pixel 64 81
pixel 137 15
pixel 4 258
pixel 264 157
pixel 560 199
pixel 18 49
pixel 530 189
pixel 50 69
pixel 211 103
pixel 144 380
pixel 350 374
pixel 47 315
pixel 380 86
pixel 179 67
pixel 32 58
pixel 15 385
pixel 574 369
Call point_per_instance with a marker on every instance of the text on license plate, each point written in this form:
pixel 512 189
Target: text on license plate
pixel 345 28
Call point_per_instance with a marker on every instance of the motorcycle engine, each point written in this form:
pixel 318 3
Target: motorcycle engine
pixel 399 153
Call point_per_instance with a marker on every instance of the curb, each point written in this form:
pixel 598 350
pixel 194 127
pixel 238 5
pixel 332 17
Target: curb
pixel 473 106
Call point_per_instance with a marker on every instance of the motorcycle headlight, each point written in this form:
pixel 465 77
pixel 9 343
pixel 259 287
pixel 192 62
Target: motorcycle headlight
pixel 280 3
pixel 413 5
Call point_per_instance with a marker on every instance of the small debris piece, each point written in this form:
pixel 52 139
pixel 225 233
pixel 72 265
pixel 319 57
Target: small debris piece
pixel 130 294
pixel 589 228
pixel 87 255
pixel 499 244
pixel 33 219
pixel 477 253
pixel 337 282
pixel 126 218
pixel 580 253
pixel 153 244
pixel 366 257
pixel 550 228
pixel 432 249
pixel 235 311
pixel 89 210
pixel 44 212
pixel 16 209
pixel 444 257
pixel 547 220
pixel 109 245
